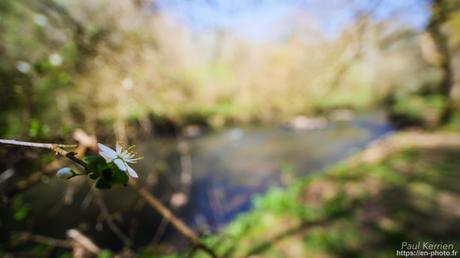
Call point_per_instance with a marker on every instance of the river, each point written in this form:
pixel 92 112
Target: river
pixel 211 182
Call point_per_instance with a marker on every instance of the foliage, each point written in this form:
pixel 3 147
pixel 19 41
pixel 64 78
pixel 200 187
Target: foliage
pixel 105 174
pixel 20 208
pixel 67 64
pixel 108 168
pixel 412 109
pixel 105 254
pixel 357 210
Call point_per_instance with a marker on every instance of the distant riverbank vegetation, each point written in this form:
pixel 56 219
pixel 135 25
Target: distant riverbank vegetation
pixel 129 66
pixel 109 74
pixel 365 207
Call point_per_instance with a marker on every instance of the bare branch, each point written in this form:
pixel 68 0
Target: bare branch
pixel 144 193
pixel 82 244
pixel 46 240
pixel 109 219
pixel 37 145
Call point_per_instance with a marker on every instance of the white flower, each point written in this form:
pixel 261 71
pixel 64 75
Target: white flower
pixel 65 172
pixel 120 157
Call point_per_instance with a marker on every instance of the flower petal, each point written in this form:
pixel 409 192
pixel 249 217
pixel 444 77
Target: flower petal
pixel 120 164
pixel 106 152
pixel 118 148
pixel 131 172
pixel 65 173
pixel 131 160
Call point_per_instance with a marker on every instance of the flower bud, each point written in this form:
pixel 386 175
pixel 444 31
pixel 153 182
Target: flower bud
pixel 65 173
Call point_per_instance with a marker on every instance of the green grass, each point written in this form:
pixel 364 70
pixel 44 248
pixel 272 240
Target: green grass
pixel 360 210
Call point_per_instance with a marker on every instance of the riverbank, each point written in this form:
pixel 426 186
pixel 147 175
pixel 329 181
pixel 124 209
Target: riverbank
pixel 226 168
pixel 403 188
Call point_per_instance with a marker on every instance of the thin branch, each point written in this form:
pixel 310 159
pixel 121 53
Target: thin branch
pixel 165 212
pixel 57 148
pixel 46 240
pixel 142 191
pixel 50 146
pixel 109 219
pixel 35 177
pixel 71 156
pixel 160 230
pixel 186 165
pixel 169 216
pixel 50 168
pixel 82 244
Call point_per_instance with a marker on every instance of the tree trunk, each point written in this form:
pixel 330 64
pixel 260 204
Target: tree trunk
pixel 440 11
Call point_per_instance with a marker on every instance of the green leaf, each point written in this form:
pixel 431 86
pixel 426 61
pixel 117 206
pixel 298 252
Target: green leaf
pixel 93 176
pixel 105 174
pixel 20 208
pixel 105 254
pixel 102 183
pixel 119 177
pixel 21 214
pixel 96 164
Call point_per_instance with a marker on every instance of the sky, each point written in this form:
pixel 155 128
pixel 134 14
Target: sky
pixel 261 19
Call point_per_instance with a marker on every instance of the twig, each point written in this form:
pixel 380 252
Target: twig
pixel 46 240
pixel 50 168
pixel 165 212
pixel 50 146
pixel 35 177
pixel 109 219
pixel 58 148
pixel 186 165
pixel 160 230
pixel 71 156
pixel 169 216
pixel 82 244
pixel 151 200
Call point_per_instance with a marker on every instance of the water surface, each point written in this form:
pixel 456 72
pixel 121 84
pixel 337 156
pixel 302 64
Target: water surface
pixel 227 168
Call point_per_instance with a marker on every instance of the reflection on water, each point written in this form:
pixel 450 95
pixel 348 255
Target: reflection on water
pixel 230 167
pixel 227 169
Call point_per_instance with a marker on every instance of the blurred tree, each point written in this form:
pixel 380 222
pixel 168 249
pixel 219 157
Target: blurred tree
pixel 67 63
pixel 441 10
